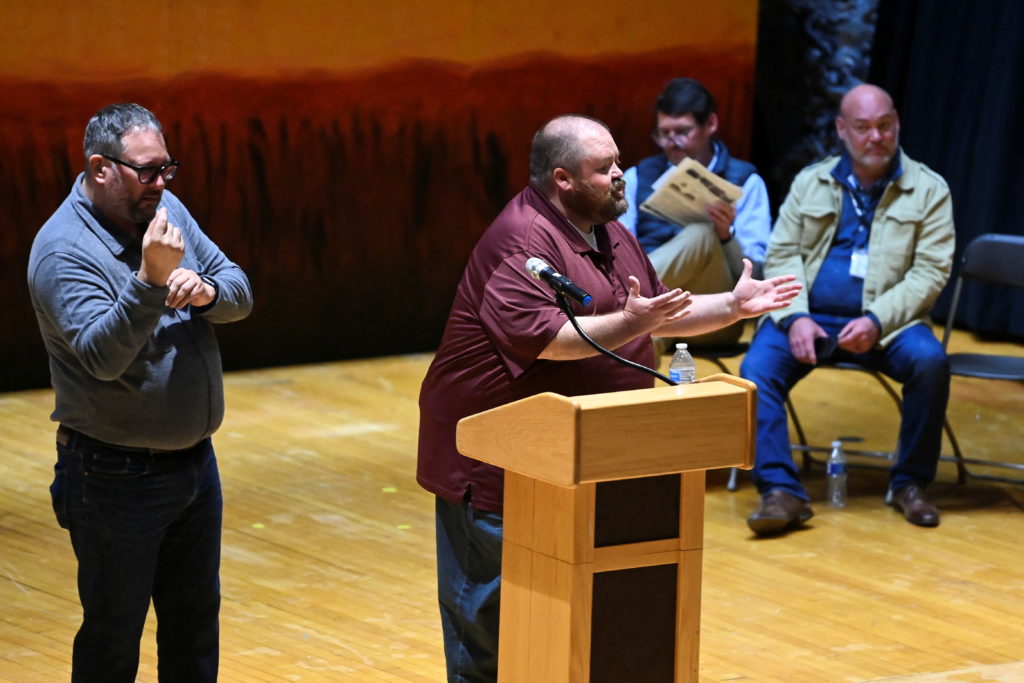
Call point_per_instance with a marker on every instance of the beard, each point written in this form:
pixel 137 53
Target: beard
pixel 139 210
pixel 143 208
pixel 875 158
pixel 598 207
pixel 143 211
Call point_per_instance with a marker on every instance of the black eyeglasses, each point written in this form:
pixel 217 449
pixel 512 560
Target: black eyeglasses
pixel 148 174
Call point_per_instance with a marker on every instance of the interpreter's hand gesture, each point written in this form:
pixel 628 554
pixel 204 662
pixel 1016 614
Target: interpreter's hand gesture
pixel 185 287
pixel 754 297
pixel 645 314
pixel 162 249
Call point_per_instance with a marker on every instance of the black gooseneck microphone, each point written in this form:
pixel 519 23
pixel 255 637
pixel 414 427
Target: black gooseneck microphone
pixel 564 287
pixel 540 270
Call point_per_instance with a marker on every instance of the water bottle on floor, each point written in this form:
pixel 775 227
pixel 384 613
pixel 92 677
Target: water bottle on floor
pixel 836 469
pixel 682 369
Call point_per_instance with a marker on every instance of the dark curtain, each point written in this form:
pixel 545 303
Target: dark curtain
pixel 956 71
pixel 809 53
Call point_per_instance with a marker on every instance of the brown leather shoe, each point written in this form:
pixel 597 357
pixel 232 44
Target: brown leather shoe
pixel 915 507
pixel 779 511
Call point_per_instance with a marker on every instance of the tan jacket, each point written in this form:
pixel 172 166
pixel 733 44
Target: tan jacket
pixel 910 250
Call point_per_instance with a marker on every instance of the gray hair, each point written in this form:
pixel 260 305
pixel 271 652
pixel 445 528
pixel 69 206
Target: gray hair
pixel 108 126
pixel 558 145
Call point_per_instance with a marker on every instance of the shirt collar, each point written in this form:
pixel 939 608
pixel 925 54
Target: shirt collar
pixel 559 219
pixel 116 240
pixel 714 156
pixel 843 173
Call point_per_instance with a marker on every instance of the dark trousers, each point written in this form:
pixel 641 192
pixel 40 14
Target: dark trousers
pixel 143 526
pixel 915 358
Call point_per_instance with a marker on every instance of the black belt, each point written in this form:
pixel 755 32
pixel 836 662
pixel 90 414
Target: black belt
pixel 66 436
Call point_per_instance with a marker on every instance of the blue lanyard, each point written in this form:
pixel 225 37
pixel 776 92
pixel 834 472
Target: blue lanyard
pixel 864 209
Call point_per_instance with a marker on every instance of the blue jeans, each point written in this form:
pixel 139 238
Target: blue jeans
pixel 915 358
pixel 143 525
pixel 469 589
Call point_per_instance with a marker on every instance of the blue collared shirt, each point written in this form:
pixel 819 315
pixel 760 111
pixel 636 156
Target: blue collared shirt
pixel 836 291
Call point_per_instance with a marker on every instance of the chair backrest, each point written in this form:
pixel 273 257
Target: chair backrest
pixel 994 258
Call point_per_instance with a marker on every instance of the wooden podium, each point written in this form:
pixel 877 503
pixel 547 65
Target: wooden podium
pixel 603 525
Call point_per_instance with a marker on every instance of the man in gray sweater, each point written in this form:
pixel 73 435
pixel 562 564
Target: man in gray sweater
pixel 125 287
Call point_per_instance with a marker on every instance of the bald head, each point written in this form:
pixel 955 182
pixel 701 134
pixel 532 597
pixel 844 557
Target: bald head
pixel 562 142
pixel 864 97
pixel 869 127
pixel 574 161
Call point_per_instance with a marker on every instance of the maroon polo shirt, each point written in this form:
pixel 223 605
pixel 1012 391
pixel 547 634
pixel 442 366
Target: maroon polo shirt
pixel 501 320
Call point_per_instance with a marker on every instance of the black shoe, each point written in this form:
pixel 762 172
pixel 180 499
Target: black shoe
pixel 779 511
pixel 915 507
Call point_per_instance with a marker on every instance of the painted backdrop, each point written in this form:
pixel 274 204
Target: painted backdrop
pixel 346 154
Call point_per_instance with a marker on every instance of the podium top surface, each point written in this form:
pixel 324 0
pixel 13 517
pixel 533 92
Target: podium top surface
pixel 618 435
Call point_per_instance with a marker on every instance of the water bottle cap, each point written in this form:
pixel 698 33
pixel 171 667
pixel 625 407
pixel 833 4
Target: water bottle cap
pixel 681 345
pixel 837 444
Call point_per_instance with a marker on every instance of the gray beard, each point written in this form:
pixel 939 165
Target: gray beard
pixel 612 211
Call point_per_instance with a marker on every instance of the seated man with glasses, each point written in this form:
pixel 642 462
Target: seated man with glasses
pixel 126 288
pixel 700 257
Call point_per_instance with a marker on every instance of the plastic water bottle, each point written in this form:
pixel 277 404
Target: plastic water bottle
pixel 682 369
pixel 836 469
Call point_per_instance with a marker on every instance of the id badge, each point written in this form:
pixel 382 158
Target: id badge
pixel 859 264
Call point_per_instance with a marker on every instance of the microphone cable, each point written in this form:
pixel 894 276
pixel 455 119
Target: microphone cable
pixel 563 303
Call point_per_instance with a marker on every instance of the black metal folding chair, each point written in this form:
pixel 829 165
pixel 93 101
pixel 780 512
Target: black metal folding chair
pixel 887 385
pixel 996 259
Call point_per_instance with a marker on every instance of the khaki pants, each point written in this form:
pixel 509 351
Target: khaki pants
pixel 696 261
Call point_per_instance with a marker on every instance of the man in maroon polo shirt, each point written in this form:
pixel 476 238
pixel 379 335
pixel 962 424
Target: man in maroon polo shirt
pixel 506 339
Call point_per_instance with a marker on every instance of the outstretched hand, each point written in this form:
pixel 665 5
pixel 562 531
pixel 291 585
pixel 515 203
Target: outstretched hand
pixel 754 297
pixel 645 314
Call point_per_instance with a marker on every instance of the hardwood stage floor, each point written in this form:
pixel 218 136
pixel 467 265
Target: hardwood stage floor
pixel 328 561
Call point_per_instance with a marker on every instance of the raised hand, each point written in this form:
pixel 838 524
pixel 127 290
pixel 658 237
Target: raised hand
pixel 162 249
pixel 754 297
pixel 645 314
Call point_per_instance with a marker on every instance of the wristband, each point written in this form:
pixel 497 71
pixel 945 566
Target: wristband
pixel 213 283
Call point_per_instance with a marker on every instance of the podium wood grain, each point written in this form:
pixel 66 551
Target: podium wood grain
pixel 585 437
pixel 571 584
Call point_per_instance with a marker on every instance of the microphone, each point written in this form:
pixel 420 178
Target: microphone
pixel 540 270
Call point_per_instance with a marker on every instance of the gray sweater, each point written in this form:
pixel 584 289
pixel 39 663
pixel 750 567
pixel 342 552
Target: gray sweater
pixel 126 369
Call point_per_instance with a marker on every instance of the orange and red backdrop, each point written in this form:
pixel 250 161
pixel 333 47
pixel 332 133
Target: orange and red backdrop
pixel 346 154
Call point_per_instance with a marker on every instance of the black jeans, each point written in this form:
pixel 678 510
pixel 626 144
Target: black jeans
pixel 143 525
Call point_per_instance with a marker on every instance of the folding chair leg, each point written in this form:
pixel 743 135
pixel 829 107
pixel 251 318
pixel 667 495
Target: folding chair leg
pixel 961 468
pixel 801 437
pixel 892 392
pixel 732 484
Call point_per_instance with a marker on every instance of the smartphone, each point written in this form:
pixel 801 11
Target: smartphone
pixel 824 347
